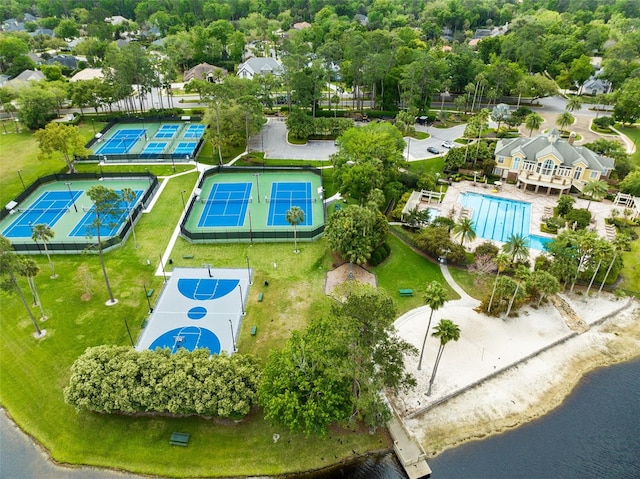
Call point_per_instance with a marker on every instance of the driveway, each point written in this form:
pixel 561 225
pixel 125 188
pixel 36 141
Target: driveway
pixel 272 139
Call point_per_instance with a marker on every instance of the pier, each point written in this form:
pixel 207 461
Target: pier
pixel 409 452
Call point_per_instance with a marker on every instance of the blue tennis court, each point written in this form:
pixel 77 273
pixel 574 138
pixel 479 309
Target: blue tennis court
pixel 185 148
pixel 121 142
pixel 194 132
pixel 286 195
pixel 110 225
pixel 167 131
pixel 226 205
pixel 155 147
pixel 47 209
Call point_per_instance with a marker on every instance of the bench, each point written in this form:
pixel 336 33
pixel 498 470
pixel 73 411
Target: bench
pixel 179 439
pixel 150 292
pixel 254 330
pixel 260 297
pixel 187 256
pixel 406 292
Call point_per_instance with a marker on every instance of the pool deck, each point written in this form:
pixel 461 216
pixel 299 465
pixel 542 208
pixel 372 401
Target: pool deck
pixel 539 204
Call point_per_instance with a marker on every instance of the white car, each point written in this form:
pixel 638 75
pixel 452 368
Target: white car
pixel 447 144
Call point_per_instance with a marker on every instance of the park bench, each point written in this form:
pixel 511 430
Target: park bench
pixel 254 330
pixel 260 297
pixel 406 292
pixel 150 292
pixel 187 256
pixel 179 439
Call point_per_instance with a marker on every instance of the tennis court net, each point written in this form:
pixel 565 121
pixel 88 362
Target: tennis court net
pixel 292 201
pixel 225 201
pixel 43 210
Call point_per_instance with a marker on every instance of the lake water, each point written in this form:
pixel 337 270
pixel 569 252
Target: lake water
pixel 594 434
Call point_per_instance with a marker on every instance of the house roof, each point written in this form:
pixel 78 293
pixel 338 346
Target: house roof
pixel 68 61
pixel 301 25
pixel 542 145
pixel 29 75
pixel 595 83
pixel 202 71
pixel 261 65
pixel 87 74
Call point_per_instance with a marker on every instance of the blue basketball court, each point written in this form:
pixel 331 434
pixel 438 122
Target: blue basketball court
pixel 194 132
pixel 110 225
pixel 226 205
pixel 47 209
pixel 198 308
pixel 284 195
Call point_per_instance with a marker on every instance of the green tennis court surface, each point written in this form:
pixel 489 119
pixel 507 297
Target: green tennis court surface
pixel 250 205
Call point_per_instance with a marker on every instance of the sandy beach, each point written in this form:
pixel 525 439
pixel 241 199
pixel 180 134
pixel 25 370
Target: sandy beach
pixel 502 373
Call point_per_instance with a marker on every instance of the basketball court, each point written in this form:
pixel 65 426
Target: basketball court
pixel 198 308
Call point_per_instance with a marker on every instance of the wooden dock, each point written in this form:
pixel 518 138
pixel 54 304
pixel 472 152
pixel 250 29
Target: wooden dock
pixel 409 452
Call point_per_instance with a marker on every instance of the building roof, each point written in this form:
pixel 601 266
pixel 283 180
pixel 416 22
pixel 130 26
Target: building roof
pixel 301 25
pixel 261 65
pixel 202 72
pixel 29 75
pixel 68 61
pixel 541 145
pixel 87 74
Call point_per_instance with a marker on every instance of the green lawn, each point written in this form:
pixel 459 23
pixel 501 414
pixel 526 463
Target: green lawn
pixel 633 132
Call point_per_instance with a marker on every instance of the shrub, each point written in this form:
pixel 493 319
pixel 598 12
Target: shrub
pixel 119 379
pixel 487 249
pixel 581 217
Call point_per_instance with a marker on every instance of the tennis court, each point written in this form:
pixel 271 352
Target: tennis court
pixel 154 147
pixel 110 224
pixel 226 205
pixel 185 148
pixel 194 132
pixel 121 142
pixel 65 207
pixel 167 131
pixel 247 204
pixel 284 196
pixel 48 208
pixel 174 140
pixel 198 308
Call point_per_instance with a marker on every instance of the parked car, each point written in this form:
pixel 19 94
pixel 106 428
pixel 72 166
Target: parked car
pixel 434 150
pixel 447 144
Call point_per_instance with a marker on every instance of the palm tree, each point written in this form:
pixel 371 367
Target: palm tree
pixel 601 249
pixel 10 265
pixel 465 229
pixel 447 331
pixel 501 261
pixel 565 120
pixel 522 274
pixel 533 121
pixel 620 243
pixel 596 189
pixel 545 283
pixel 30 269
pixel 434 297
pixel 43 233
pixel 517 246
pixel 294 217
pixel 574 104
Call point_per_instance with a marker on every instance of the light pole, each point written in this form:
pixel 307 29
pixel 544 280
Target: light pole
pixel 257 175
pixel 146 293
pixel 71 196
pixel 241 300
pixel 21 180
pixel 250 226
pixel 233 338
pixel 248 269
pixel 184 206
pixel 173 164
pixel 128 331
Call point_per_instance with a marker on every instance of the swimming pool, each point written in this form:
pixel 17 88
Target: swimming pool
pixel 498 218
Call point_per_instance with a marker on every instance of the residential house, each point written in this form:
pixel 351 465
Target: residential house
pixel 301 25
pixel 47 32
pixel 548 161
pixel 204 71
pixel 87 74
pixel 595 86
pixel 26 76
pixel 259 66
pixel 67 61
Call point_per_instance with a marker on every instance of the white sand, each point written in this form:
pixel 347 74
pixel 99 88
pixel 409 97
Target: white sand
pixel 489 355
